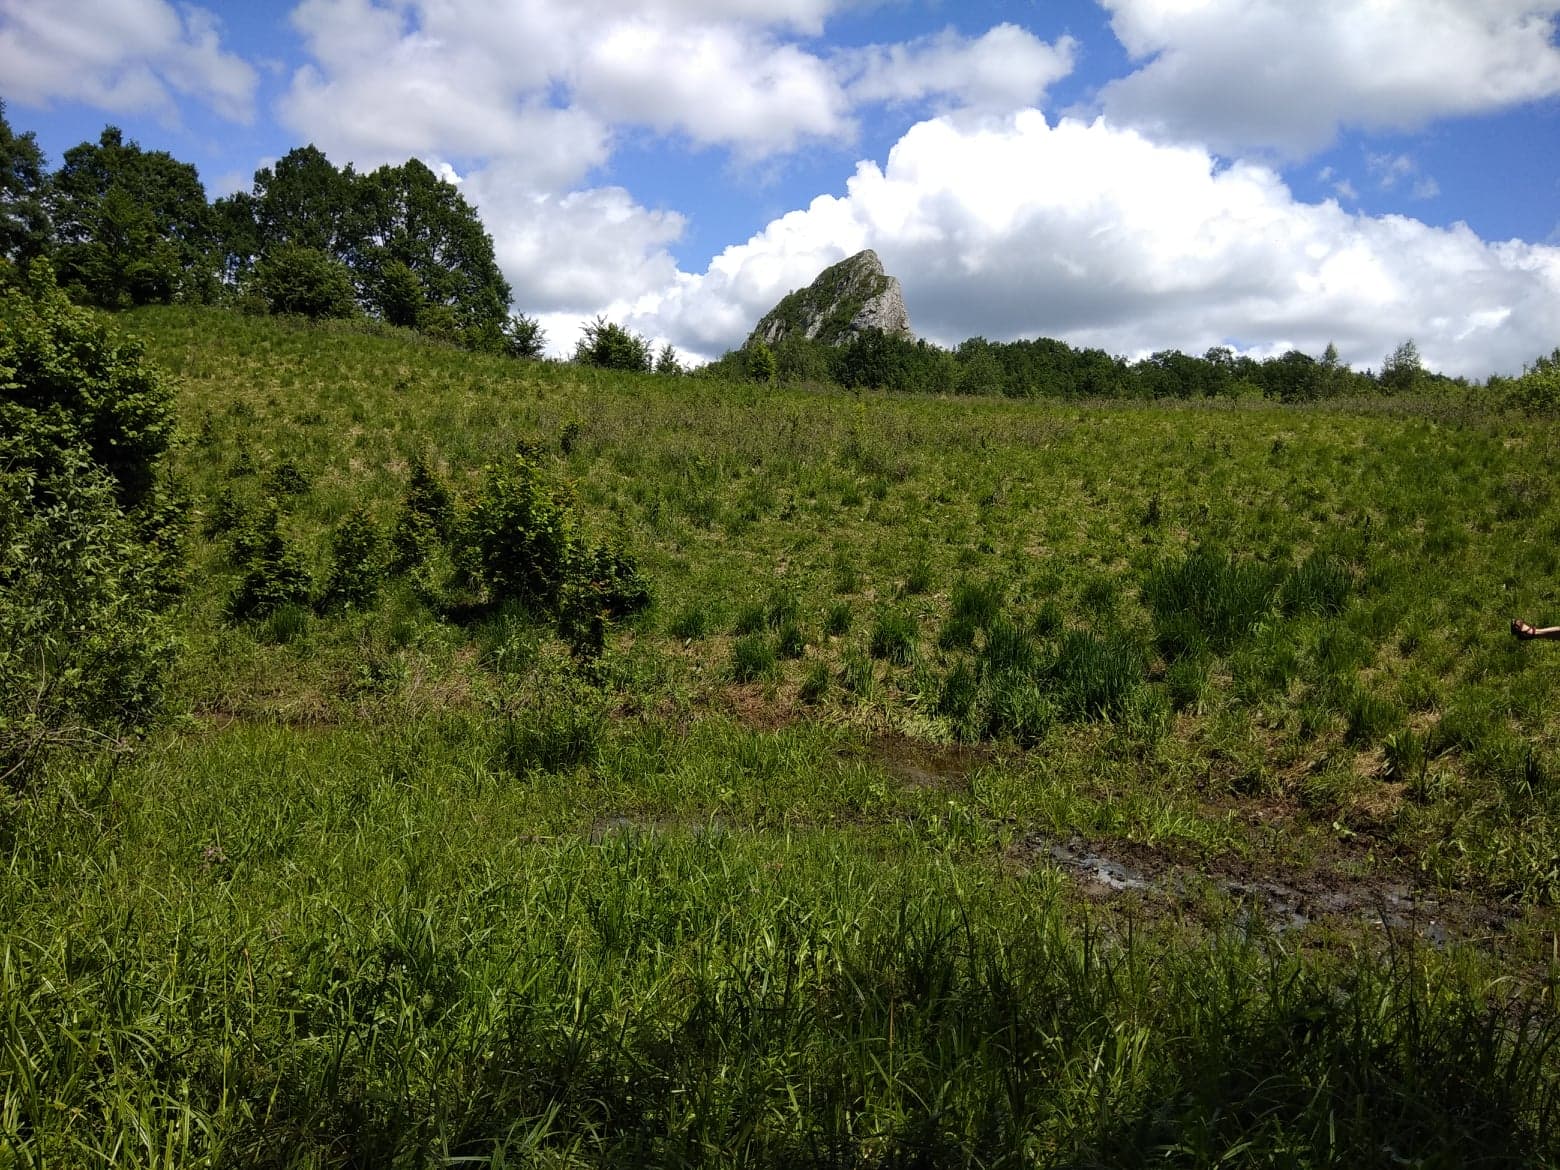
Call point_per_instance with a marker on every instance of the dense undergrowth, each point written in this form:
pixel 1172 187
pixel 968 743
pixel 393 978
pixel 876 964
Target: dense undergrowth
pixel 466 851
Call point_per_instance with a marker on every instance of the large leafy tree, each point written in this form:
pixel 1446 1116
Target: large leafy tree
pixel 133 225
pixel 423 258
pixel 301 202
pixel 24 220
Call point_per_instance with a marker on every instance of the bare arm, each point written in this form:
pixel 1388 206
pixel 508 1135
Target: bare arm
pixel 1523 631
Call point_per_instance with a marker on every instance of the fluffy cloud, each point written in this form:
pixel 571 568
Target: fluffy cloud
pixel 128 56
pixel 718 84
pixel 1099 235
pixel 1286 75
pixel 1006 68
pixel 573 253
pixel 389 77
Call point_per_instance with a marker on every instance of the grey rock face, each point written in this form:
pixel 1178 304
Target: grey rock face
pixel 848 298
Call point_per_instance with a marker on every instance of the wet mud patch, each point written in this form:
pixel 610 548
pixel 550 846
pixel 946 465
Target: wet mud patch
pixel 1279 899
pixel 916 763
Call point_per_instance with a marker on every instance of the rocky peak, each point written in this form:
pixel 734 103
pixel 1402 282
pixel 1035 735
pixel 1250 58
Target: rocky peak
pixel 848 298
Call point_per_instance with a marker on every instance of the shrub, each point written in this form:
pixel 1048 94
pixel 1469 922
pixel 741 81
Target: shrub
pixel 522 536
pixel 274 573
pixel 760 362
pixel 356 562
pixel 524 337
pixel 611 347
pixel 287 479
pixel 89 543
pixel 304 281
pixel 66 382
pixel 83 647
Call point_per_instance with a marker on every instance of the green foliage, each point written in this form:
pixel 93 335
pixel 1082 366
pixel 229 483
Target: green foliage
pixel 667 362
pixel 523 536
pixel 1401 371
pixel 84 646
pixel 524 337
pixel 752 658
pixel 421 247
pixel 893 636
pixel 609 346
pixel 25 229
pixel 427 517
pixel 761 365
pixel 1205 599
pixel 357 563
pixel 274 572
pixel 133 227
pixel 304 281
pixel 89 543
pixel 1320 584
pixel 1537 391
pixel 67 382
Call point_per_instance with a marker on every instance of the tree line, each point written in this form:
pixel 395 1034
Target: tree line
pixel 1047 368
pixel 124 226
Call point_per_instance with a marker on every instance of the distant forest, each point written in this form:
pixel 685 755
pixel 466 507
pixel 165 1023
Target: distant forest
pixel 123 226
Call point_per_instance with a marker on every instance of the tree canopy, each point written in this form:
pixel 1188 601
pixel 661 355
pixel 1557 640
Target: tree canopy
pixel 132 226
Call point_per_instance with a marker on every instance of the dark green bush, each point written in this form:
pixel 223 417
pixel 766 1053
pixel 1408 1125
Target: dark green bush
pixel 274 572
pixel 357 565
pixel 612 347
pixel 67 382
pixel 522 536
pixel 90 542
pixel 304 281
pixel 84 648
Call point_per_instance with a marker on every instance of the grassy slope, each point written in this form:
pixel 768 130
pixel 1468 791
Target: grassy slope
pixel 339 916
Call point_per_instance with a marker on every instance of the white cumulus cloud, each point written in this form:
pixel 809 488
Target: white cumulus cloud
pixel 1286 75
pixel 1099 235
pixel 127 56
pixel 1006 68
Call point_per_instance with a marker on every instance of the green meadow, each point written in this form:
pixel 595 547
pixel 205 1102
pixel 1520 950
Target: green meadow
pixel 989 783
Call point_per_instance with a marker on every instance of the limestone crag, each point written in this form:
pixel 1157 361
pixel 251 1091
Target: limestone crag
pixel 847 299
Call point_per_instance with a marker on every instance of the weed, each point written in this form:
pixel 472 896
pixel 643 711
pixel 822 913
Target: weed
pixel 815 683
pixel 752 657
pixel 790 642
pixel 893 636
pixel 691 622
pixel 837 621
pixel 1205 599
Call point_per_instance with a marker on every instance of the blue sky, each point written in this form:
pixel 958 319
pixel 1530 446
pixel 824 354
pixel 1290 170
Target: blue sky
pixel 1132 174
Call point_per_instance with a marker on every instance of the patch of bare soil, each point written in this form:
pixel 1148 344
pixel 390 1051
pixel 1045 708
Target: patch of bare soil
pixel 1279 897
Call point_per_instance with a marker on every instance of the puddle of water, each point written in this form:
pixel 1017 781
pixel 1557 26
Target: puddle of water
pixel 1100 870
pixel 1278 905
